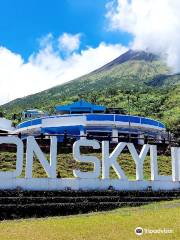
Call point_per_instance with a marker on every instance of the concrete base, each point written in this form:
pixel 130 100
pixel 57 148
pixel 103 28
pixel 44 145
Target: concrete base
pixel 48 184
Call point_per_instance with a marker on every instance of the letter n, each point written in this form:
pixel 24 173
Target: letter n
pixel 33 148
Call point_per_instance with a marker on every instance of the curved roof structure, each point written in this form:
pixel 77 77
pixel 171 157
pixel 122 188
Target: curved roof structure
pixel 96 125
pixel 90 118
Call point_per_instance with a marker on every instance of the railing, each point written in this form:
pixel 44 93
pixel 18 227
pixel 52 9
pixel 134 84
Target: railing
pixel 29 123
pixel 100 117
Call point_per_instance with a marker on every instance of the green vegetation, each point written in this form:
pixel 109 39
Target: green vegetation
pixel 66 164
pixel 112 225
pixel 153 91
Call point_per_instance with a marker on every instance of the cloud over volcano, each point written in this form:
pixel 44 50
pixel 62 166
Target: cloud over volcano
pixel 154 25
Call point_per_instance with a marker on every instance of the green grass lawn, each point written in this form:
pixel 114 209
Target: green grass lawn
pixel 117 224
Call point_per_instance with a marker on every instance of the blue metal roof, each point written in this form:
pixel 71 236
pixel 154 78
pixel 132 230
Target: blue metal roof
pixel 81 106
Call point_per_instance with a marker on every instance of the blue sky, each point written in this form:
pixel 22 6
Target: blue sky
pixel 22 23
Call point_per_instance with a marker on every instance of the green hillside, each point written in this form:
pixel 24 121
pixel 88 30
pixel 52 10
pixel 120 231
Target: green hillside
pixel 153 90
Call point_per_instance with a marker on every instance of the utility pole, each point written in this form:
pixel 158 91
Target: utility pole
pixel 129 113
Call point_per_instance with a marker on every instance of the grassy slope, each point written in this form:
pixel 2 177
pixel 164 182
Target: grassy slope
pixel 126 75
pixel 113 225
pixel 66 164
pixel 158 97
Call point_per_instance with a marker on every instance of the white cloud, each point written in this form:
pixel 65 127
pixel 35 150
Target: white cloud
pixel 155 25
pixel 46 41
pixel 69 42
pixel 47 68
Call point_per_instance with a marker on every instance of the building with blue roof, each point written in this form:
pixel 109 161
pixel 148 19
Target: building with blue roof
pixel 82 119
pixel 33 113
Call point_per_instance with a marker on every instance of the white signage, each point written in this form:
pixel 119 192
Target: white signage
pixel 99 178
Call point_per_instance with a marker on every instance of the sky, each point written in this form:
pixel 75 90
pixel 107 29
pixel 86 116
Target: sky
pixel 45 43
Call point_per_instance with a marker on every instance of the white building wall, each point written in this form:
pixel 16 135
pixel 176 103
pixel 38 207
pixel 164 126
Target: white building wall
pixel 5 124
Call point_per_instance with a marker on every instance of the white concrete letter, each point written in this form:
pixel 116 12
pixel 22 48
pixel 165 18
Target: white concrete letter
pixel 88 159
pixel 33 148
pixel 110 160
pixel 154 166
pixel 139 159
pixel 19 157
pixel 175 154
